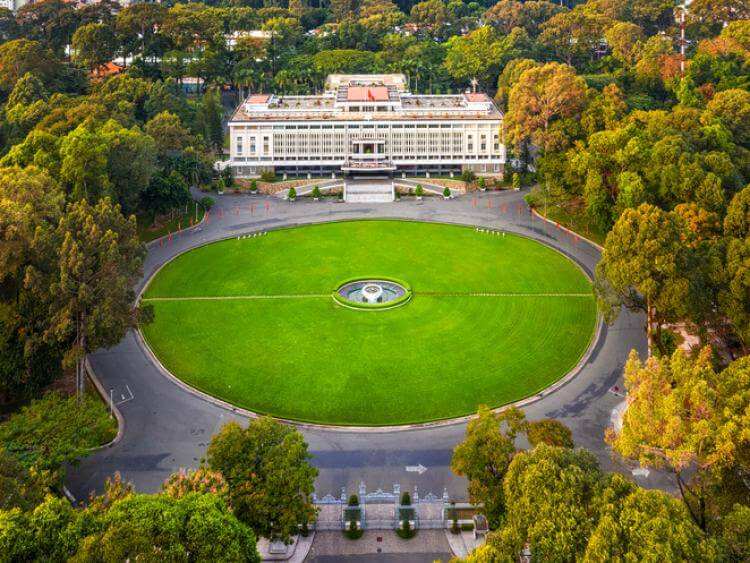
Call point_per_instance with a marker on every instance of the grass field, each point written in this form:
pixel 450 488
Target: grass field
pixel 493 319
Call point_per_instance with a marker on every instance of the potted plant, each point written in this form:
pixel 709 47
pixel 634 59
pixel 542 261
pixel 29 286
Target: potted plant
pixel 316 193
pixel 482 185
pixel 419 192
pixel 253 186
pixel 516 181
pixel 446 193
pixel 292 194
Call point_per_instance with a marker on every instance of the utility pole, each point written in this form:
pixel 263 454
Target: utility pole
pixel 683 42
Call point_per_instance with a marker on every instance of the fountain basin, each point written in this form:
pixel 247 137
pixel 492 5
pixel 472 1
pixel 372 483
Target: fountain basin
pixel 372 293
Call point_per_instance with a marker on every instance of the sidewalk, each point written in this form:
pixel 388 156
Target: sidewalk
pixel 296 552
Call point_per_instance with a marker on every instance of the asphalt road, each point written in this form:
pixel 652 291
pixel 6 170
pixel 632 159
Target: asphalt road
pixel 167 427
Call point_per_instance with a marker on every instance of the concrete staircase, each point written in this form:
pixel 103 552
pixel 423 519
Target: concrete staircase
pixel 373 190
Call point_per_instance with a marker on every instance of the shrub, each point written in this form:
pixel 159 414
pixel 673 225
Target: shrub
pixel 419 191
pixel 467 527
pixel 550 432
pixel 217 185
pixel 354 500
pixel 254 186
pixel 207 202
pixel 406 499
pixel 468 176
pixel 292 194
pixel 354 532
pixel 316 192
pixel 446 192
pixel 226 175
pixel 516 181
pixel 405 532
pixel 268 176
pixel 341 196
pixel 482 184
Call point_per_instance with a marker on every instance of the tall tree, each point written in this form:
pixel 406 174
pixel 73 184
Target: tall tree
pixel 540 96
pixel 100 258
pixel 93 45
pixel 271 481
pixel 484 456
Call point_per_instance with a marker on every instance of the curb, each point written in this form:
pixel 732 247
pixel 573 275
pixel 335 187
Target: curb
pixel 599 247
pixel 115 409
pixel 151 243
pixel 371 429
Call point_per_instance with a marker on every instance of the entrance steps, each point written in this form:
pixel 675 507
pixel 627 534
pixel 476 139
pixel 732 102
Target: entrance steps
pixel 369 191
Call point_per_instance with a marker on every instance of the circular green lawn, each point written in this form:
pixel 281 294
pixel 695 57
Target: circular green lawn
pixel 492 319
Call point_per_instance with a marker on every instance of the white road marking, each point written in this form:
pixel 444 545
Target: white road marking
pixel 416 469
pixel 321 295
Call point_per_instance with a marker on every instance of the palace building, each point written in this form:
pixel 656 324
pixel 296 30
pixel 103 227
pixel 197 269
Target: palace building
pixel 366 125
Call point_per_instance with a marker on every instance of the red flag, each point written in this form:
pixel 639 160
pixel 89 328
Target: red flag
pixel 169 235
pixel 161 242
pixel 191 221
pixel 179 225
pixel 369 95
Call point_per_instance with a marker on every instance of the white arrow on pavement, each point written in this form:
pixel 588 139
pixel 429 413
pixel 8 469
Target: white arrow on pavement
pixel 416 469
pixel 640 472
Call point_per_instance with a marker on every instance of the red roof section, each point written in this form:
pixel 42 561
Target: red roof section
pixel 367 94
pixel 258 98
pixel 477 97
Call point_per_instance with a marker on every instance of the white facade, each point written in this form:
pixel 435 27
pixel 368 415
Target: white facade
pixel 366 124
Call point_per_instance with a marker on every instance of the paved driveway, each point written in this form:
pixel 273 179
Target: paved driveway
pixel 168 428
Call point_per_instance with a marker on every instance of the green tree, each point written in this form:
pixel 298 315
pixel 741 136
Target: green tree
pixel 550 494
pixel 54 430
pixel 484 456
pixel 641 268
pixel 169 134
pixel 100 259
pixel 84 158
pixel 196 527
pixel 477 55
pixel 165 193
pixel 131 163
pixel 21 56
pixel 732 109
pixel 271 481
pixel 626 41
pixel 647 525
pixel 573 35
pixel 93 45
pixel 18 487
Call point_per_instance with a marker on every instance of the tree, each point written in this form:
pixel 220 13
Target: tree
pixel 477 55
pixel 506 15
pixel 211 115
pixel 573 35
pixel 100 259
pixel 201 480
pixel 732 109
pixel 550 495
pixel 168 133
pixel 136 28
pixel 93 45
pixel 83 168
pixel 540 96
pixel 21 56
pixel 626 41
pixel 18 487
pixel 196 527
pixel 266 466
pixel 682 414
pixel 647 525
pixel 131 163
pixel 484 456
pixel 54 430
pixel 550 432
pixel 642 254
pixel 165 193
pixel 27 90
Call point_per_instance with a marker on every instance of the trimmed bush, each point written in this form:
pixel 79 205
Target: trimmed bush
pixel 207 202
pixel 353 500
pixel 226 175
pixel 468 176
pixel 254 186
pixel 419 192
pixel 316 192
pixel 354 532
pixel 268 176
pixel 405 532
pixel 516 181
pixel 446 192
pixel 467 527
pixel 482 184
pixel 406 499
pixel 292 194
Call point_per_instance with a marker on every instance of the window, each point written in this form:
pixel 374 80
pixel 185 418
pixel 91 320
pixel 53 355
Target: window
pixel 252 145
pixel 265 145
pixel 239 145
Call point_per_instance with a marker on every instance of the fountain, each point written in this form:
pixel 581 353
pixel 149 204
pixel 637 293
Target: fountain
pixel 371 293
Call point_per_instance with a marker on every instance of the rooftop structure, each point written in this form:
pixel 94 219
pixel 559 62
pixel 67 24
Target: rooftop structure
pixel 366 124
